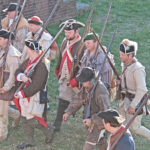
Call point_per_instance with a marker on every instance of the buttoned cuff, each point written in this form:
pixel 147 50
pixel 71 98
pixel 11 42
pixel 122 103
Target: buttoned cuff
pixel 18 78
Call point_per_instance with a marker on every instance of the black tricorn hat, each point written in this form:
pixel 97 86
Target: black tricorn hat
pixel 6 34
pixel 111 116
pixel 72 24
pixel 128 46
pixel 33 45
pixel 12 7
pixel 86 74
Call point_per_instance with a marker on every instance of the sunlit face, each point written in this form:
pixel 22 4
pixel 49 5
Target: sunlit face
pixel 3 42
pixel 87 85
pixel 11 14
pixel 90 45
pixel 124 57
pixel 33 27
pixel 70 34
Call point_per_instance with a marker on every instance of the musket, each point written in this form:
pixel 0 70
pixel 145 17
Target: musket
pixel 75 65
pixel 100 38
pixel 103 29
pixel 144 101
pixel 18 18
pixel 98 76
pixel 7 48
pixel 48 19
pixel 29 73
pixel 105 22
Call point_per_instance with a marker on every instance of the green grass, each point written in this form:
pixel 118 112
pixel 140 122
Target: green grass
pixel 131 18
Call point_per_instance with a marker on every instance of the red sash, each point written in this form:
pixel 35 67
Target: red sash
pixel 41 120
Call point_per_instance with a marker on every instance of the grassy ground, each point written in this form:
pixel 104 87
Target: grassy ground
pixel 132 20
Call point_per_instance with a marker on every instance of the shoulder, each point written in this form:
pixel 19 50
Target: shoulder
pixel 100 57
pixel 43 65
pixel 13 51
pixel 63 44
pixel 126 143
pixel 77 43
pixel 4 22
pixel 101 89
pixel 23 23
pixel 136 66
pixel 46 36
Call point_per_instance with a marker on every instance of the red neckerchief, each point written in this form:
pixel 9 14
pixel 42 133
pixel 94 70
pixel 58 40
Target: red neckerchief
pixel 41 120
pixel 115 136
pixel 69 63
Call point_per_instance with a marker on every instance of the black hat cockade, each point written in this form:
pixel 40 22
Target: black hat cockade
pixel 35 20
pixel 6 34
pixel 72 24
pixel 128 47
pixel 87 74
pixel 111 116
pixel 33 45
pixel 12 7
pixel 90 36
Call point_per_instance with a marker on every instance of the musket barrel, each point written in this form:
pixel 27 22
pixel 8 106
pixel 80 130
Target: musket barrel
pixel 130 121
pixel 18 19
pixel 48 19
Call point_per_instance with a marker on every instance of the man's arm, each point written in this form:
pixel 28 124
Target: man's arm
pixel 141 88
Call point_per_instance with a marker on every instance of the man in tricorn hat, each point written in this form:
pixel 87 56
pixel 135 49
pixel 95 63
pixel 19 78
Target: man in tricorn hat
pixel 18 42
pixel 27 99
pixel 99 102
pixel 11 62
pixel 69 49
pixel 22 27
pixel 35 28
pixel 133 86
pixel 94 58
pixel 113 123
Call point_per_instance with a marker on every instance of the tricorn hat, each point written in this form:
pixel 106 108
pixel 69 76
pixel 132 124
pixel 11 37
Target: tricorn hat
pixel 33 45
pixel 87 74
pixel 72 24
pixel 6 34
pixel 35 20
pixel 12 7
pixel 90 36
pixel 128 46
pixel 111 116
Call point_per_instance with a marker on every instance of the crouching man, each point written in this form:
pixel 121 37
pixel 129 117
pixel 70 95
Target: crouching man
pixel 27 100
pixel 99 102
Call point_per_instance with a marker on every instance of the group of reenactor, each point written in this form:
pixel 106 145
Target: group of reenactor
pixel 90 85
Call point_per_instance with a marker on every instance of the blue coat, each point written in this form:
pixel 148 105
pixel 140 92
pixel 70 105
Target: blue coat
pixel 126 143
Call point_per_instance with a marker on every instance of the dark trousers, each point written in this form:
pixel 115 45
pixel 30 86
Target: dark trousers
pixel 63 104
pixel 29 126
